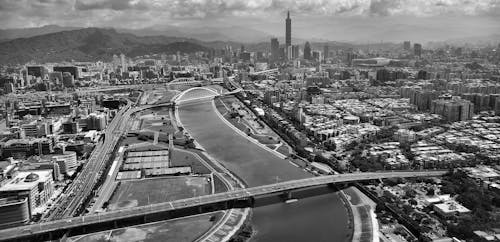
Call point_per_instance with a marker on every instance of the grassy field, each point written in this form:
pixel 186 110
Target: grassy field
pixel 184 158
pixel 219 185
pixel 179 230
pixel 283 149
pixel 150 191
pixel 353 196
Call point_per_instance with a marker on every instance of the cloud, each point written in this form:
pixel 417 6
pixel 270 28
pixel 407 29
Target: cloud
pixel 383 7
pixel 111 4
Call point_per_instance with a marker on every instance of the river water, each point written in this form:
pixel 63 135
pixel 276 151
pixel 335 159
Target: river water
pixel 320 218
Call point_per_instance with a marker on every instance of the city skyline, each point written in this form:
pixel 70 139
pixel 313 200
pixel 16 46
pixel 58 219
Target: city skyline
pixel 359 20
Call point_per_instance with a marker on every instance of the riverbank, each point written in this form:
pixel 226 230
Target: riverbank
pixel 233 219
pixel 323 217
pixel 363 215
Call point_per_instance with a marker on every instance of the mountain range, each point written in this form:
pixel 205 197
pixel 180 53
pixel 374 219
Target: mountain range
pixel 233 33
pixel 90 44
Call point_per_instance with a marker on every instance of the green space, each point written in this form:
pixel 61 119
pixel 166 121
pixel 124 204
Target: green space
pixel 219 185
pixel 353 196
pixel 284 150
pixel 185 158
pixel 167 96
pixel 484 204
pixel 179 230
pixel 131 140
pixel 150 191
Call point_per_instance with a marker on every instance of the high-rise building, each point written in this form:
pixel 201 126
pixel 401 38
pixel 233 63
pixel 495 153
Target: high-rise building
pixel 275 49
pixel 68 80
pixel 453 109
pixel 407 45
pixel 9 88
pixel 417 49
pixel 288 34
pixel 289 52
pixel 295 51
pixel 326 51
pixel 123 62
pixel 56 77
pixel 307 51
pixel 36 71
pixel 73 70
pixel 67 162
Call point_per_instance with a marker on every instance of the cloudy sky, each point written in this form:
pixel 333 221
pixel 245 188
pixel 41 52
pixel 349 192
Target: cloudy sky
pixel 370 20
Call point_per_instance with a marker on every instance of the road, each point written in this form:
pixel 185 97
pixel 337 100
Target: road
pixel 112 216
pixel 83 185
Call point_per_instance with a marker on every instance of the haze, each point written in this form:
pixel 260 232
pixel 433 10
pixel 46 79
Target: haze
pixel 338 20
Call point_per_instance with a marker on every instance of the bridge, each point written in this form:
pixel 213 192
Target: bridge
pixel 264 71
pixel 184 82
pixel 199 94
pixel 166 210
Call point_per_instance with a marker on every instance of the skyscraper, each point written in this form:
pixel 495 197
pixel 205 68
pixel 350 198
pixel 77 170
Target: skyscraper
pixel 307 51
pixel 123 62
pixel 406 45
pixel 288 34
pixel 275 49
pixel 326 51
pixel 417 49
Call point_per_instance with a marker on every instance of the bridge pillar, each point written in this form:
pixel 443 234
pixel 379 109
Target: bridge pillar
pixel 115 224
pixel 288 195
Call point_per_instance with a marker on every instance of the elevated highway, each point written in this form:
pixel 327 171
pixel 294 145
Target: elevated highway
pixel 161 211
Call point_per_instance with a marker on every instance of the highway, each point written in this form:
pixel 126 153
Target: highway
pixel 83 185
pixel 112 216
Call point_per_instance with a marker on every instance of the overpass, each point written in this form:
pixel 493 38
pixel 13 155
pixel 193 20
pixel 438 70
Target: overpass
pixel 184 82
pixel 166 210
pixel 264 71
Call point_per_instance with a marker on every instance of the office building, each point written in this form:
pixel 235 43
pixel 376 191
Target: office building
pixel 407 45
pixel 68 80
pixel 73 70
pixel 295 51
pixel 37 186
pixel 14 211
pixel 123 62
pixel 9 88
pixel 67 162
pixel 453 109
pixel 326 52
pixel 56 78
pixel 96 121
pixel 417 49
pixel 307 51
pixel 36 71
pixel 275 49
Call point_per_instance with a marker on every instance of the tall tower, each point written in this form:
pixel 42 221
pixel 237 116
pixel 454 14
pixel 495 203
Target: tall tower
pixel 288 34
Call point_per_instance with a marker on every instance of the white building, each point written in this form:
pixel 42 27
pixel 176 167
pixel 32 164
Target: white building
pixel 36 185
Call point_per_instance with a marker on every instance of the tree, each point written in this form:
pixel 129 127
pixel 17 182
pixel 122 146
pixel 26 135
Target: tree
pixel 431 192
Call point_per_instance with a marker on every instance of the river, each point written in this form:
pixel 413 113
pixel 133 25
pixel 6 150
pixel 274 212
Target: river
pixel 320 218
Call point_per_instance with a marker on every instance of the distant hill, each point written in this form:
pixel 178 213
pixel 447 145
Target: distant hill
pixel 90 44
pixel 233 33
pixel 8 34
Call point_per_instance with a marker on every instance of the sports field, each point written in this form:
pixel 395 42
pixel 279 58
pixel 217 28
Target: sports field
pixel 149 191
pixel 179 230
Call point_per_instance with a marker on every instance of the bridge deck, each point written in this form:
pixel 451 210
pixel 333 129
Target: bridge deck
pixel 69 223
